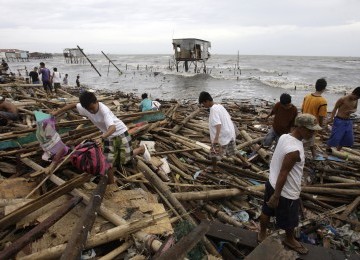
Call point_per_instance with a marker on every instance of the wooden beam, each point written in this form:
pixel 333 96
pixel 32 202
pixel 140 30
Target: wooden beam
pixel 39 230
pixel 186 243
pixel 80 233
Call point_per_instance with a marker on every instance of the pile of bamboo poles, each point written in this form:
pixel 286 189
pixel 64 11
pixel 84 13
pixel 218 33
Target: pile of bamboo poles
pixel 196 188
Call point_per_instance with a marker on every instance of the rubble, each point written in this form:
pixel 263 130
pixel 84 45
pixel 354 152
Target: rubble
pixel 138 216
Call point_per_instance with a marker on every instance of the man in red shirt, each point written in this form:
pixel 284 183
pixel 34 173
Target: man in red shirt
pixel 284 116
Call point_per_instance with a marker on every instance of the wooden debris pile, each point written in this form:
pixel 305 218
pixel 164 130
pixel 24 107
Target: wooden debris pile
pixel 67 213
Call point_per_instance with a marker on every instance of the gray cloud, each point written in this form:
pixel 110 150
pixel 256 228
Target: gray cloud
pixel 317 27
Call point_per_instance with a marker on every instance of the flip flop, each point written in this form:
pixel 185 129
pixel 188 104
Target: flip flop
pixel 319 158
pixel 334 158
pixel 300 249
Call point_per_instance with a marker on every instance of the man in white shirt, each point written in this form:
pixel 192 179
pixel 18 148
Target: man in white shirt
pixel 282 191
pixel 222 129
pixel 116 139
pixel 56 80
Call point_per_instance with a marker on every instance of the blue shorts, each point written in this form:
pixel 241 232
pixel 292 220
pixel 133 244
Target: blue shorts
pixel 342 133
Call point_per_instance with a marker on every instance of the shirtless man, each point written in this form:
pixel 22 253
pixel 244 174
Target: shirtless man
pixel 8 110
pixel 342 130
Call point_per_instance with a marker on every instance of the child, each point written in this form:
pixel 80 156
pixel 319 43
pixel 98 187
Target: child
pixel 222 129
pixel 284 117
pixel 116 139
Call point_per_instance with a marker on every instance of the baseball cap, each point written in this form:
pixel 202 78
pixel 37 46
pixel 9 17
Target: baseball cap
pixel 308 121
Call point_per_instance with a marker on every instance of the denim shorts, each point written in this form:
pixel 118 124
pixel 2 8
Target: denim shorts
pixel 341 133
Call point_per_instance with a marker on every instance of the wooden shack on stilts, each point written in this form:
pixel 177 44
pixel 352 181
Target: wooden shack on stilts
pixel 73 55
pixel 191 51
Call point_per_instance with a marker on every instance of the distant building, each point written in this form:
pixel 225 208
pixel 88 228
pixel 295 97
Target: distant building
pixel 40 55
pixel 14 54
pixel 191 51
pixel 73 55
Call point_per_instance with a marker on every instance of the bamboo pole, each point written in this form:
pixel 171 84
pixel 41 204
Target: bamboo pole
pixel 222 216
pixel 263 154
pixel 117 251
pixel 155 180
pixel 331 191
pixel 80 233
pixel 251 142
pixel 100 238
pixel 179 126
pixel 346 156
pixel 350 208
pixel 39 230
pixel 105 212
pixel 207 195
pixel 26 209
pixel 175 151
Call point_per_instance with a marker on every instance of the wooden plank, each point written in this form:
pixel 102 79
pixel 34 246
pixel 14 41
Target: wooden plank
pixel 236 235
pixel 249 238
pixel 186 243
pixel 271 249
pixel 80 233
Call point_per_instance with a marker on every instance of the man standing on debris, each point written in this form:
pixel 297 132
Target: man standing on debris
pixel 56 79
pixel 115 137
pixel 284 116
pixel 34 76
pixel 8 110
pixel 45 77
pixel 342 133
pixel 222 129
pixel 282 190
pixel 316 105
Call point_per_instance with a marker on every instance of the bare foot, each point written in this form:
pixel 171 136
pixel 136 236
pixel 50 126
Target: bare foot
pixel 261 236
pixel 296 246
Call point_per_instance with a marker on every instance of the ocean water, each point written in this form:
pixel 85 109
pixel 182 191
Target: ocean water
pixel 263 77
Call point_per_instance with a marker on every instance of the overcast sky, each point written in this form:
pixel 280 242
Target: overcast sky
pixel 277 27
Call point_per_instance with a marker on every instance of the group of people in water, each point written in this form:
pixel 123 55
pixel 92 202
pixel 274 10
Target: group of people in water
pixel 50 80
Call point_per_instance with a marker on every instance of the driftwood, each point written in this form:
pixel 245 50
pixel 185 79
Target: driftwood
pixel 79 235
pixel 152 177
pixel 186 243
pixel 187 153
pixel 18 214
pixel 39 230
pixel 100 238
pixel 192 115
pixel 263 154
pixel 113 254
pixel 223 216
pixel 106 213
pixel 207 195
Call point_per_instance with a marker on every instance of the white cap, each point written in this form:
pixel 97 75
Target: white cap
pixel 1 98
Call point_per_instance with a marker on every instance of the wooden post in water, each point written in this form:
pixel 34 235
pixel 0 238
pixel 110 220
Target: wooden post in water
pixel 110 61
pixel 92 65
